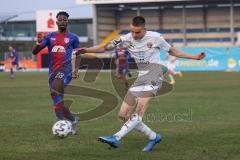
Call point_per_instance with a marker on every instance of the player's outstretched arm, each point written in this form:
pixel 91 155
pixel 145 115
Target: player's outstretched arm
pixel 97 48
pixel 181 54
pixel 94 49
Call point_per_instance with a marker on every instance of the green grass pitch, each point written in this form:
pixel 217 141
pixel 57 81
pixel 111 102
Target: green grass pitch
pixel 199 120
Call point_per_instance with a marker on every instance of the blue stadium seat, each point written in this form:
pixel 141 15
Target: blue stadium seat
pixel 212 30
pixel 195 30
pixel 191 40
pixel 209 39
pixel 236 29
pixel 224 29
pixel 176 40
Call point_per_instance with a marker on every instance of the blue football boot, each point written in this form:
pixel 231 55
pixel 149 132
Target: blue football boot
pixel 111 140
pixel 151 143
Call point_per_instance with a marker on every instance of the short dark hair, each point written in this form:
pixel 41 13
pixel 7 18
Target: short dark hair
pixel 62 13
pixel 138 21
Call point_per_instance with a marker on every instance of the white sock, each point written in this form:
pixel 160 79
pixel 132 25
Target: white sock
pixel 128 126
pixel 141 127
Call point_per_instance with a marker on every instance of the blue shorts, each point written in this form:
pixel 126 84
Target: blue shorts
pixel 64 74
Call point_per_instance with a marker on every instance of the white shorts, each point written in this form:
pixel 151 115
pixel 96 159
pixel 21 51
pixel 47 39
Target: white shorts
pixel 148 81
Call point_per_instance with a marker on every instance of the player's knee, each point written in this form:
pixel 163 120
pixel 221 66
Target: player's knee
pixel 56 91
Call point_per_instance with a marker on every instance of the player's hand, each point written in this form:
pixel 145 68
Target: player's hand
pixel 75 74
pixel 81 51
pixel 39 38
pixel 200 56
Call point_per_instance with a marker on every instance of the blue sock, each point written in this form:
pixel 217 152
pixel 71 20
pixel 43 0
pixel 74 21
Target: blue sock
pixel 67 114
pixel 59 114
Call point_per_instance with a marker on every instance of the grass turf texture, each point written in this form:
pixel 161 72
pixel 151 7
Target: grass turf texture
pixel 199 120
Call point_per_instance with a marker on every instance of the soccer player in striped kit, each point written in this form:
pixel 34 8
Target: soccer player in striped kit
pixel 63 64
pixel 122 56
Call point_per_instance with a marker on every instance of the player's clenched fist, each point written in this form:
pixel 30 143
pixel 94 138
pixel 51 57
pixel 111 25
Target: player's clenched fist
pixel 81 51
pixel 39 38
pixel 200 56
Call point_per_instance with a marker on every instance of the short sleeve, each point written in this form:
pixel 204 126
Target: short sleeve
pixel 76 43
pixel 162 43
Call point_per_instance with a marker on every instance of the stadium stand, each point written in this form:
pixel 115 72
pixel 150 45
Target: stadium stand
pixel 202 23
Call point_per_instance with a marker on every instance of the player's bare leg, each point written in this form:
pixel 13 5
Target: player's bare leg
pixel 141 108
pixel 133 121
pixel 127 107
pixel 124 114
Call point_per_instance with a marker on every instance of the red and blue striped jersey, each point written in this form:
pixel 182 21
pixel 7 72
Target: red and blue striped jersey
pixel 60 48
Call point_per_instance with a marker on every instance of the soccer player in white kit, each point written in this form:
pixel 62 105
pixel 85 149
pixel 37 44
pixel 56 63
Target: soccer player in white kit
pixel 144 46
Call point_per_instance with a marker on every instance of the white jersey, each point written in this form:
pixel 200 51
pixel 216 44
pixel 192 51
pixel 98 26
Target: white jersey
pixel 147 49
pixel 146 53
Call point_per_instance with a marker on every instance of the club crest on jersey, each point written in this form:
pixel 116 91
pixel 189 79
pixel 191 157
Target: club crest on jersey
pixel 66 40
pixel 58 49
pixel 149 45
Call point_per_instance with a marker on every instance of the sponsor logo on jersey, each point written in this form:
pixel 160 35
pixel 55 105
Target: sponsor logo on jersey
pixel 149 45
pixel 59 49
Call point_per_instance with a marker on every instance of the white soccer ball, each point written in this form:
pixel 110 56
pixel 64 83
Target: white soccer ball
pixel 62 128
